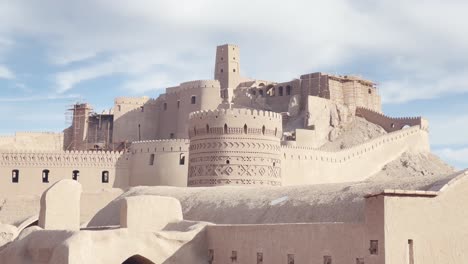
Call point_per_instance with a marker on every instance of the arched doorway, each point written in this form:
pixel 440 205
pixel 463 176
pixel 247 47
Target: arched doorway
pixel 137 259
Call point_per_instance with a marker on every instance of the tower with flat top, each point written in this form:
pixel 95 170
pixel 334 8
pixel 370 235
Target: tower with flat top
pixel 227 69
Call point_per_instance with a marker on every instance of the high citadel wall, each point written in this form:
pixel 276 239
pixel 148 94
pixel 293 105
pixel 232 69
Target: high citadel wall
pixel 226 131
pixel 31 172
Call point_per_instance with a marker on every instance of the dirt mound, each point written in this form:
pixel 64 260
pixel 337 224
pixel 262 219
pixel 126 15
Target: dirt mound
pixel 353 133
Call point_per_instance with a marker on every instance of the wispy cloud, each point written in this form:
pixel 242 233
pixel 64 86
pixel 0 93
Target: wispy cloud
pixel 6 73
pixel 458 156
pixel 39 98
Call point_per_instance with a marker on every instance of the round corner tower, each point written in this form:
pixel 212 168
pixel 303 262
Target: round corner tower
pixel 235 147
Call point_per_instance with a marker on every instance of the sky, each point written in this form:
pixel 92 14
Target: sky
pixel 54 53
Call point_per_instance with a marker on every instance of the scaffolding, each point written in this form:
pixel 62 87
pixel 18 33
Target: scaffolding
pixel 76 118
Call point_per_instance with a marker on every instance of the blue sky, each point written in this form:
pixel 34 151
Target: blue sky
pixel 54 53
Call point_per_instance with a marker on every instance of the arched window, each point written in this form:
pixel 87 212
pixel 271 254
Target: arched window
pixel 225 129
pixel 165 106
pixel 119 108
pixel 288 90
pixel 195 131
pixel 207 128
pixel 45 176
pixel 181 159
pixel 194 99
pixel 15 176
pixel 151 161
pixel 254 92
pixel 75 175
pixel 105 177
pixel 142 109
pixel 260 92
pixel 263 130
pixel 245 129
pixel 280 91
pixel 137 259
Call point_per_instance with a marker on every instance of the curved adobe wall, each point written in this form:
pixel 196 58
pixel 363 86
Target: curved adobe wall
pixel 235 147
pixel 61 165
pixel 159 162
pixel 391 124
pixel 177 104
pixel 302 165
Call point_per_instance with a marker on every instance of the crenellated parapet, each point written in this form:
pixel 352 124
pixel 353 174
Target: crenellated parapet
pixel 163 145
pixel 391 124
pixel 60 158
pixel 236 121
pixel 194 85
pixel 134 100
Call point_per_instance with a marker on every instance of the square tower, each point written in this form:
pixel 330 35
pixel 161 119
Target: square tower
pixel 227 66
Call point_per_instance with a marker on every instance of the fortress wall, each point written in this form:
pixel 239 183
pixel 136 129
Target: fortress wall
pixel 302 165
pixel 390 124
pixel 305 243
pixel 135 119
pixel 159 162
pixel 32 141
pixel 175 116
pixel 337 91
pixel 234 147
pixel 61 165
pixel 279 103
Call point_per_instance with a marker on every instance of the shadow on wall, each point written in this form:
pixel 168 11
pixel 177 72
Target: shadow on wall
pixel 137 259
pixel 193 252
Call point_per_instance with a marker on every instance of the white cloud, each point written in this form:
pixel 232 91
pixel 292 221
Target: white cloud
pixel 39 98
pixel 151 82
pixel 456 156
pixel 448 129
pixel 6 73
pixel 280 40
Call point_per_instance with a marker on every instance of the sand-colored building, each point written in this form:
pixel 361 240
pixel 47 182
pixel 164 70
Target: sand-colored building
pixel 278 138
pixel 231 130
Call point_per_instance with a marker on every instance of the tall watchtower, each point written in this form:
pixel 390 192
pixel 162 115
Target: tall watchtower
pixel 227 68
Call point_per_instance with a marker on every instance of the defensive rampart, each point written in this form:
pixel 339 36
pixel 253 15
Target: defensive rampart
pixel 391 124
pixel 303 165
pixel 159 162
pixel 27 172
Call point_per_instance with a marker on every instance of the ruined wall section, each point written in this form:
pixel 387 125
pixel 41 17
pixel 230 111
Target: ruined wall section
pixel 159 162
pixel 391 124
pixel 235 147
pixel 306 165
pixel 30 166
pixel 135 118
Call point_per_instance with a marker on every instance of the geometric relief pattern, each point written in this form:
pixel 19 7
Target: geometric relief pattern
pixel 233 170
pixel 61 158
pixel 234 181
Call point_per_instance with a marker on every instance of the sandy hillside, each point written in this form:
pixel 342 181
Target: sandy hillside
pixel 353 133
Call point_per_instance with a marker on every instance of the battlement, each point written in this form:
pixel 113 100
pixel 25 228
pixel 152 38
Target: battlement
pixel 163 145
pixel 60 158
pixel 194 85
pixel 391 124
pixel 134 100
pixel 237 112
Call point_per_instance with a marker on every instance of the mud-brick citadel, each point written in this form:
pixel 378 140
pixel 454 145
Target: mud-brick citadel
pixel 166 180
pixel 231 130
